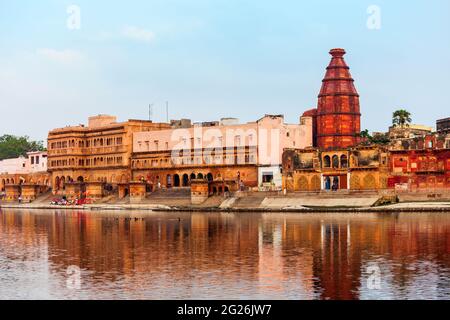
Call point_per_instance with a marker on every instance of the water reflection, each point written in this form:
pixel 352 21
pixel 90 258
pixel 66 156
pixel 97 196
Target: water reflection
pixel 212 255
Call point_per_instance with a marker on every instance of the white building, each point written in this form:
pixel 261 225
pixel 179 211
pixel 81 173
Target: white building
pixel 34 162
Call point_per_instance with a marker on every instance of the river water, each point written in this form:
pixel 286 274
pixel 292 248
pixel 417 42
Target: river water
pixel 138 255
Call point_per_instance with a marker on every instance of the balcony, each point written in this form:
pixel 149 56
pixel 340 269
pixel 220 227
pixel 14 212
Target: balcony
pixel 87 151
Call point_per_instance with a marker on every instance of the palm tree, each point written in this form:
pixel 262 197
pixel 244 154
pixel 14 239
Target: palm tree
pixel 401 118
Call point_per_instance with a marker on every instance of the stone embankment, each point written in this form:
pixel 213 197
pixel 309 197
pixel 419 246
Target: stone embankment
pixel 261 202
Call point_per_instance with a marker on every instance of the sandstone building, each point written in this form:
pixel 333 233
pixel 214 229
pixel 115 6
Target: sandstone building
pixel 357 168
pixel 24 176
pixel 229 155
pixel 94 158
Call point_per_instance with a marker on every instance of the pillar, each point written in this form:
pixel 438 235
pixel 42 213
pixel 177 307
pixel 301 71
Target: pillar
pixel 137 191
pixel 199 191
pixel 12 192
pixel 29 192
pixel 94 190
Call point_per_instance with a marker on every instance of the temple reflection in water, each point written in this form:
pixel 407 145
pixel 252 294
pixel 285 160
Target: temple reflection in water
pixel 199 255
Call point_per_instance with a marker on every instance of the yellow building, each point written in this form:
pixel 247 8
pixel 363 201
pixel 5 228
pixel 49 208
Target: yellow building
pixel 359 168
pixel 97 154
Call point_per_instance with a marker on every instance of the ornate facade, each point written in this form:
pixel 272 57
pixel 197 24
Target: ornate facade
pixel 96 156
pixel 421 164
pixel 358 168
pixel 229 156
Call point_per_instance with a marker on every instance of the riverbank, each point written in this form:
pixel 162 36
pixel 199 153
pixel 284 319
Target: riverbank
pixel 430 206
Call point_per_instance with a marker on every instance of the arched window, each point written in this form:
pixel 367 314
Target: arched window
pixel 344 161
pixel 335 161
pixel 185 180
pixel 327 162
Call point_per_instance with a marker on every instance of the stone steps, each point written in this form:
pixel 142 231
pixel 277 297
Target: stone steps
pixel 45 198
pixel 248 202
pixel 170 193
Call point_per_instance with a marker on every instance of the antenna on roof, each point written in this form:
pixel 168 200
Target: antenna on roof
pixel 167 111
pixel 150 111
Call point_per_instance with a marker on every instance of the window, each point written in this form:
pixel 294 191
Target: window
pixel 267 177
pixel 327 161
pixel 238 140
pixel 37 159
pixel 32 160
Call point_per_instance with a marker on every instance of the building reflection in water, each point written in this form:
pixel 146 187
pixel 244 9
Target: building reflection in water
pixel 214 255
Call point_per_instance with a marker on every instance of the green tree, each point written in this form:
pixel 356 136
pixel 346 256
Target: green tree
pixel 365 134
pixel 13 147
pixel 367 138
pixel 401 118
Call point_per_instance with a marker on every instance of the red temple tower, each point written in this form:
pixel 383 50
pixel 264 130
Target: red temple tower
pixel 338 114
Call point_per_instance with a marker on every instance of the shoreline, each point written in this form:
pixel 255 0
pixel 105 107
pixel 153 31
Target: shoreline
pixel 393 208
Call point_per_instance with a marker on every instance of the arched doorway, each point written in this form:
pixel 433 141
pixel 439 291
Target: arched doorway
pixel 335 185
pixel 327 183
pixel 209 177
pixel 200 176
pixel 176 180
pixel 192 176
pixel 169 181
pixel 185 180
pixel 80 179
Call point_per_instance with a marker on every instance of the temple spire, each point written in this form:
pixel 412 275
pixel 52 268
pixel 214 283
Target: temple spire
pixel 338 112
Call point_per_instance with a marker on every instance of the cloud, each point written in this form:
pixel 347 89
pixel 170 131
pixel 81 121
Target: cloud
pixel 62 56
pixel 138 34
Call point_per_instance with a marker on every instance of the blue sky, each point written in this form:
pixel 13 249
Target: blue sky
pixel 217 58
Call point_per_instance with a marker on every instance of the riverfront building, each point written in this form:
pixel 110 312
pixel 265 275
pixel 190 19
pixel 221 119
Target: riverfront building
pixel 24 176
pixel 322 152
pixel 357 168
pixel 95 158
pixel 229 155
pixel 421 164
